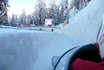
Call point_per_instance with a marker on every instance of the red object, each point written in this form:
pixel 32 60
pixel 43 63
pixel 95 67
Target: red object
pixel 80 64
pixel 27 24
pixel 97 45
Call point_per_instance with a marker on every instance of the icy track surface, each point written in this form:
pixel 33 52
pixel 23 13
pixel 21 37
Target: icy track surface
pixel 30 50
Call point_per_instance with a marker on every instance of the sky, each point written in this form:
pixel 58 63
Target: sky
pixel 16 6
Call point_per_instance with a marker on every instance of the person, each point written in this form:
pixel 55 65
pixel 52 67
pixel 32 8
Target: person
pixel 52 30
pixel 40 29
pixel 84 64
pixel 80 64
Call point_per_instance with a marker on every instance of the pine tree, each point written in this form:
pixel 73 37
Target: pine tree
pixel 80 4
pixel 3 12
pixel 64 11
pixel 54 12
pixel 40 12
pixel 22 19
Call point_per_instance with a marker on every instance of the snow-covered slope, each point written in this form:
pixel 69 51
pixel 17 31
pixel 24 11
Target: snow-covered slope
pixel 84 26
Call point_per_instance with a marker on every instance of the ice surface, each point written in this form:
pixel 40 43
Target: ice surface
pixel 30 50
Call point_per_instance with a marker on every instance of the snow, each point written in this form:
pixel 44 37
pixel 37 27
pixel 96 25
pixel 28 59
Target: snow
pixel 33 50
pixel 30 50
pixel 34 28
pixel 60 25
pixel 57 46
pixel 1 12
pixel 84 26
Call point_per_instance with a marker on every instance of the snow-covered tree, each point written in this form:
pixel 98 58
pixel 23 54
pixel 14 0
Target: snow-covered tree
pixel 35 17
pixel 29 19
pixel 54 12
pixel 80 4
pixel 40 12
pixel 64 10
pixel 14 20
pixel 3 12
pixel 22 19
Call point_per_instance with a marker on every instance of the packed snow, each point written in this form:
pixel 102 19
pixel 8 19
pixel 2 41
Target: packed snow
pixel 84 26
pixel 33 50
pixel 34 28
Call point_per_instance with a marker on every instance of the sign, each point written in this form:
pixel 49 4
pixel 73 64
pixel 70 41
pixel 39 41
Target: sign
pixel 48 22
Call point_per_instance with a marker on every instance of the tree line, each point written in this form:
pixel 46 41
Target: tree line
pixel 57 12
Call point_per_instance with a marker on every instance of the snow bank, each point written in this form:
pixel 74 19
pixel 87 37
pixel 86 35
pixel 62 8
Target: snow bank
pixel 84 26
pixel 30 50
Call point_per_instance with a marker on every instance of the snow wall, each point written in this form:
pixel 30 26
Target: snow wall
pixel 19 49
pixel 30 50
pixel 83 28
